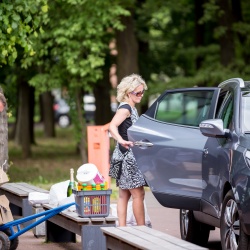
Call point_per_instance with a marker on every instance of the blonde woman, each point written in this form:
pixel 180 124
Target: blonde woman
pixel 123 166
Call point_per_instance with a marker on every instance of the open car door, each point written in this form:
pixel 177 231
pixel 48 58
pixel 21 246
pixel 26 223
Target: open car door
pixel 169 145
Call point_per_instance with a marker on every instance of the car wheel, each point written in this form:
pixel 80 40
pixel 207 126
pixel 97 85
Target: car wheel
pixel 193 230
pixel 64 121
pixel 232 234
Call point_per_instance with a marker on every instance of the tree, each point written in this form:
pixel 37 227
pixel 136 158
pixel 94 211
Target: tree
pixel 48 114
pixel 72 50
pixel 102 90
pixel 18 20
pixel 127 46
pixel 196 42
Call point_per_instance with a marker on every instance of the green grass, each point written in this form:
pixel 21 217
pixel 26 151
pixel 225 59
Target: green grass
pixel 51 160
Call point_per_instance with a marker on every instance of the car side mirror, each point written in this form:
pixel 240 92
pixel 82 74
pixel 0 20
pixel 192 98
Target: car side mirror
pixel 213 128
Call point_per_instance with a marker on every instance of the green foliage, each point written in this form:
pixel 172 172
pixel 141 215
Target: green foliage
pixel 19 19
pixel 51 161
pixel 57 154
pixel 175 59
pixel 210 11
pixel 73 46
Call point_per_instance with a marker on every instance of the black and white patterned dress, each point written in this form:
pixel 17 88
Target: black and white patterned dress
pixel 131 177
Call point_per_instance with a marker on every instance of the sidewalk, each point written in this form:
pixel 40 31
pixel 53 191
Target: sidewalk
pixel 163 219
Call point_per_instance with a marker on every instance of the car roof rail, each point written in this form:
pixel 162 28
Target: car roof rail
pixel 238 80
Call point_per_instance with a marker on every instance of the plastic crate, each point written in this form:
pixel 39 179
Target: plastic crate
pixel 94 203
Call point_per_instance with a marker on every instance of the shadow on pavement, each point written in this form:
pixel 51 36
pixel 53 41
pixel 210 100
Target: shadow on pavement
pixel 214 245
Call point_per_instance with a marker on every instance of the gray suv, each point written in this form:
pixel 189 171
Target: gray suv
pixel 193 147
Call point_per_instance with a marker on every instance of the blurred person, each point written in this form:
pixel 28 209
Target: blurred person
pixel 123 165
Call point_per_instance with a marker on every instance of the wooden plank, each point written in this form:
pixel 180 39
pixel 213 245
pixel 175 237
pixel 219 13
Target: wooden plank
pixel 48 206
pixel 143 237
pixel 74 216
pixel 170 238
pixel 14 199
pixel 111 218
pixel 21 189
pixel 159 242
pixel 113 244
pixel 66 223
pixel 68 214
pixel 32 188
pixel 127 237
pixel 25 187
pixel 13 188
pixel 97 219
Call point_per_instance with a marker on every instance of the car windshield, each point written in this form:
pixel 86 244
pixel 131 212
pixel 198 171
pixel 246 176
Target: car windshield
pixel 246 111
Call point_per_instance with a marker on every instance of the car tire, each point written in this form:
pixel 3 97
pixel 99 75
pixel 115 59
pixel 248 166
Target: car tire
pixel 63 121
pixel 193 230
pixel 232 234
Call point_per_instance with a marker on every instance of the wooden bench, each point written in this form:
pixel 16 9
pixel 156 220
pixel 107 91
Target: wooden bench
pixel 17 194
pixel 64 226
pixel 142 237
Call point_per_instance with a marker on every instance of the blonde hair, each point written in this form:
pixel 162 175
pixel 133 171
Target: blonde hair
pixel 127 85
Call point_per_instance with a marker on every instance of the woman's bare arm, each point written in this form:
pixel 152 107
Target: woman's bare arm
pixel 118 118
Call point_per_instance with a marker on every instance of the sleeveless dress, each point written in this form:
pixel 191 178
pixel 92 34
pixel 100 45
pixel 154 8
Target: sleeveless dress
pixel 131 177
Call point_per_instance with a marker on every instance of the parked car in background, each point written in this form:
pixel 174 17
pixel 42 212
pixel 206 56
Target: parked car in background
pixel 193 147
pixel 62 110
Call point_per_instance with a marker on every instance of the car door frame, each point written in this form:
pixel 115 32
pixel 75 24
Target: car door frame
pixel 217 170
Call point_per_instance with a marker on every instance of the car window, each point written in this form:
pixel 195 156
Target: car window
pixel 246 112
pixel 186 108
pixel 223 96
pixel 228 115
pixel 227 111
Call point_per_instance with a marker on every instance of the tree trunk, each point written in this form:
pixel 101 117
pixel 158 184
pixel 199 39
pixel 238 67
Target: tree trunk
pixel 102 89
pixel 4 156
pixel 23 124
pixel 127 46
pixel 48 114
pixel 41 107
pixel 32 113
pixel 226 40
pixel 199 29
pixel 81 125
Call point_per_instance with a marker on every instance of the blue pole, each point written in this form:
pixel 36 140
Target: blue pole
pixel 48 214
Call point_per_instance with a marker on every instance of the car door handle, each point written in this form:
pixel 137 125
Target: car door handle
pixel 143 144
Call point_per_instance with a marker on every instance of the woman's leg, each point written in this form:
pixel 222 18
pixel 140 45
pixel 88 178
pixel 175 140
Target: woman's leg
pixel 138 205
pixel 124 196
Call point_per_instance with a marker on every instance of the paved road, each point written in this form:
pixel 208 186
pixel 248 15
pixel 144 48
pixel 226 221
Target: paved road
pixel 162 219
pixel 167 221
